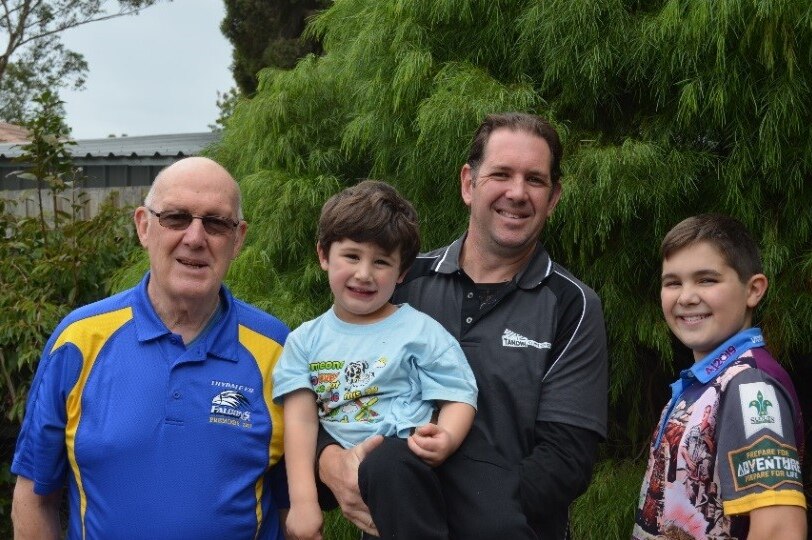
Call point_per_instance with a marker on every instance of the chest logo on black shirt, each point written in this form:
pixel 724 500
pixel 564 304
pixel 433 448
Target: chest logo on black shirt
pixel 230 407
pixel 514 339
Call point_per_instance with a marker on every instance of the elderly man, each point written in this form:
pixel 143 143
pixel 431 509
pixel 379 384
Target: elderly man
pixel 154 405
pixel 533 334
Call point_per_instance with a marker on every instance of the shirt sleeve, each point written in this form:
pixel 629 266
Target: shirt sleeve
pixel 558 470
pixel 292 371
pixel 443 369
pixel 757 456
pixel 572 410
pixel 574 390
pixel 41 453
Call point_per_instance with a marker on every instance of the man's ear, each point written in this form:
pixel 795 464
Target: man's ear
pixel 242 229
pixel 555 195
pixel 466 183
pixel 140 218
pixel 756 289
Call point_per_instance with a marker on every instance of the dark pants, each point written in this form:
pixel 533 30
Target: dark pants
pixel 466 498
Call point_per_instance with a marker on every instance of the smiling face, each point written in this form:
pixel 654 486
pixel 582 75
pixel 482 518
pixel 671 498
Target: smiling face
pixel 704 300
pixel 362 278
pixel 511 194
pixel 188 266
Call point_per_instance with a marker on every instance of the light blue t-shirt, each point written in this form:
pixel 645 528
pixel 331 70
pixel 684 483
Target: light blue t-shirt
pixel 375 379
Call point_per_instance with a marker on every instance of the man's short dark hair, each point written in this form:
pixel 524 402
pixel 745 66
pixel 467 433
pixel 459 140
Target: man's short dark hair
pixel 371 211
pixel 728 235
pixel 516 121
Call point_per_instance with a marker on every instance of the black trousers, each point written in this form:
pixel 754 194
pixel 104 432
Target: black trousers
pixel 466 498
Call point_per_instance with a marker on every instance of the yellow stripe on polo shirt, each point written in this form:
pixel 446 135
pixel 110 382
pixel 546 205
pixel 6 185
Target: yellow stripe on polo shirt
pixel 89 336
pixel 266 352
pixel 780 497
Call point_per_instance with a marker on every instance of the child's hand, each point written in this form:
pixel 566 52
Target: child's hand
pixel 304 522
pixel 432 444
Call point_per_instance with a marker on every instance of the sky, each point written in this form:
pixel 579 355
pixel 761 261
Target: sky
pixel 154 73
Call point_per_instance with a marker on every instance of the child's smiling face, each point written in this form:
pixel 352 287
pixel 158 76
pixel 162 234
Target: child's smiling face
pixel 703 298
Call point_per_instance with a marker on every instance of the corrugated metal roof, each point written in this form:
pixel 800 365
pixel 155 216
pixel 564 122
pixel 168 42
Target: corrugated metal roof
pixel 180 144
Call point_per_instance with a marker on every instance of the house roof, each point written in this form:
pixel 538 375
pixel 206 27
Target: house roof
pixel 12 133
pixel 175 145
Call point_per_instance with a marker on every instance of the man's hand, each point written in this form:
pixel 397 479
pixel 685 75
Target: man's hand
pixel 338 469
pixel 432 444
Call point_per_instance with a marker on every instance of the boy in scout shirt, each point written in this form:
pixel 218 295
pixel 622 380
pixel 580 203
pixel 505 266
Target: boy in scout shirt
pixel 724 461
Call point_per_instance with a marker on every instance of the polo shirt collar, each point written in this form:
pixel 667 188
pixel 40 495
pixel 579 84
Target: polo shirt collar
pixel 719 359
pixel 220 341
pixel 449 260
pixel 709 367
pixel 531 276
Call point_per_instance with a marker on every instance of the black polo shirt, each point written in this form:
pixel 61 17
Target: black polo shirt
pixel 537 349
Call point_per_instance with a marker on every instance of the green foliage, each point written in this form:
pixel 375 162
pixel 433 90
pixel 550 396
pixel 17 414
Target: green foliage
pixel 667 108
pixel 54 261
pixel 609 504
pixel 338 528
pixel 266 33
pixel 226 102
pixel 6 491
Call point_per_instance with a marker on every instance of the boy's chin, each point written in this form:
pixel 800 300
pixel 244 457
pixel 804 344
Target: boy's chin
pixel 701 350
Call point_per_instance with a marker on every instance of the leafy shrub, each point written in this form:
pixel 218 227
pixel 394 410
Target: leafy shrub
pixel 51 263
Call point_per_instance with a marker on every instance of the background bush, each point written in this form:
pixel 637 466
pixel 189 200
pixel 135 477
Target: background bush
pixel 51 263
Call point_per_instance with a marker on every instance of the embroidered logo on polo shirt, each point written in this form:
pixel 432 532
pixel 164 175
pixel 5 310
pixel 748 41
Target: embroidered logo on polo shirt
pixel 766 463
pixel 229 407
pixel 760 408
pixel 514 339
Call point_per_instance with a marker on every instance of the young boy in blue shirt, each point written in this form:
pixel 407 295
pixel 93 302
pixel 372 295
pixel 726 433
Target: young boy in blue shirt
pixel 725 461
pixel 368 367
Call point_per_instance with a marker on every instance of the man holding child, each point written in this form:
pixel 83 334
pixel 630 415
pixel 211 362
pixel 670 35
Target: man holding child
pixel 533 334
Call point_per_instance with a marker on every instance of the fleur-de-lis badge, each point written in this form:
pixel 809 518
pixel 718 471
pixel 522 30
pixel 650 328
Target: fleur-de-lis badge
pixel 761 404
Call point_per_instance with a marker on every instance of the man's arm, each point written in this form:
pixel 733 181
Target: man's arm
pixel 559 468
pixel 35 517
pixel 785 522
pixel 338 470
pixel 572 413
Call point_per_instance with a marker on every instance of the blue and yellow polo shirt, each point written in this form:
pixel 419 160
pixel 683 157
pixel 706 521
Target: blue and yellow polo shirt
pixel 157 440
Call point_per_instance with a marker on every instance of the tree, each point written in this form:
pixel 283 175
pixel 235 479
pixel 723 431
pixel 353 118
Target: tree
pixel 668 108
pixel 34 59
pixel 266 33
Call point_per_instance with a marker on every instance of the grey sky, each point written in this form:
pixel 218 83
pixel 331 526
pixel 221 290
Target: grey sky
pixel 154 73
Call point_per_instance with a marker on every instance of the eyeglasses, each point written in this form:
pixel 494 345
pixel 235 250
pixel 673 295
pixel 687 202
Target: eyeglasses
pixel 179 221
